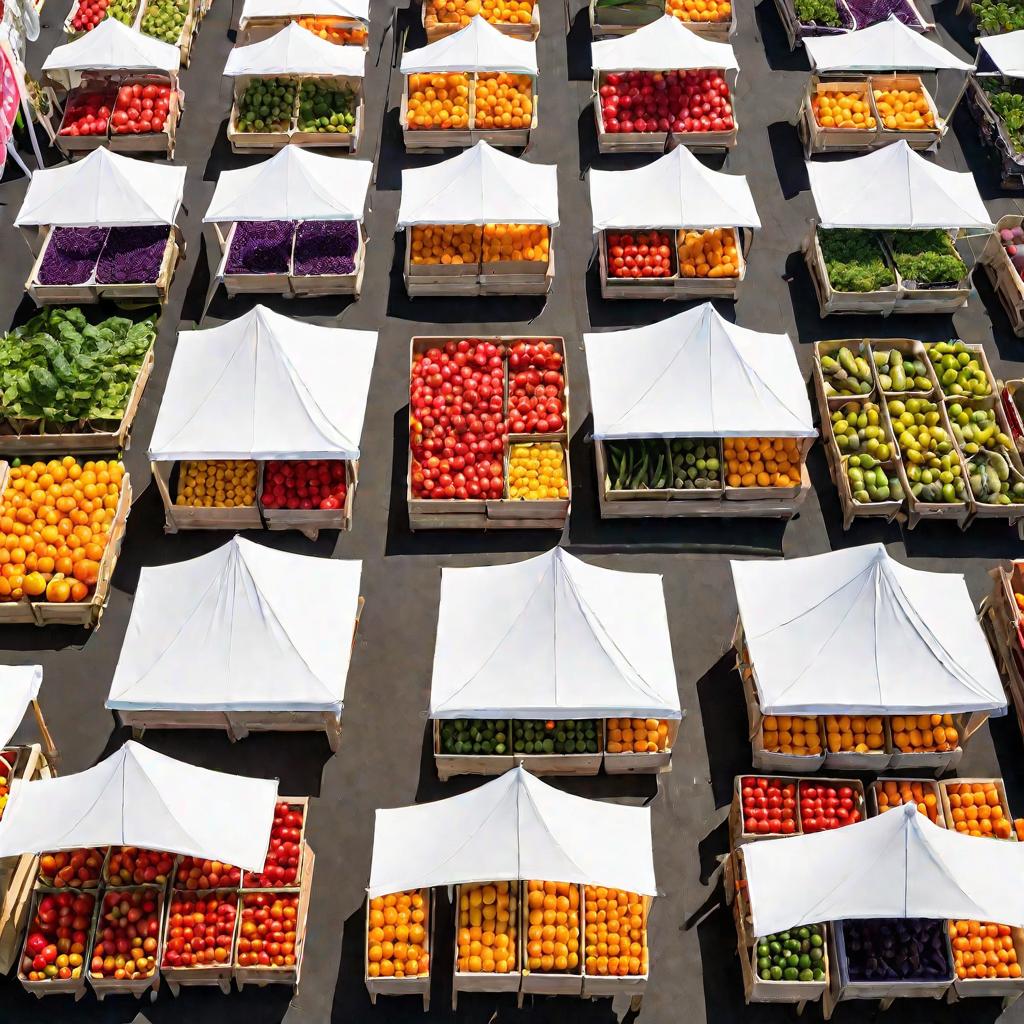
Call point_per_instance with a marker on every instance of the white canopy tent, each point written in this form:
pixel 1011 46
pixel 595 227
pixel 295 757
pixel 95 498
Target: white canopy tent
pixel 515 827
pixel 675 191
pixel 696 375
pixel 19 686
pixel 1006 52
pixel 113 46
pixel 295 51
pixel 358 10
pixel 481 185
pixel 898 864
pixel 895 188
pixel 664 45
pixel 294 184
pixel 103 190
pixel 477 47
pixel 272 626
pixel 137 797
pixel 835 633
pixel 552 637
pixel 265 386
pixel 885 46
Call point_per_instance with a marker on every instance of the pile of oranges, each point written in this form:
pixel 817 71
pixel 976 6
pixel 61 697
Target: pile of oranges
pixel 892 793
pixel 55 522
pixel 497 12
pixel 335 30
pixel 843 110
pixel 515 242
pixel 904 110
pixel 975 808
pixel 792 734
pixel 445 243
pixel 710 253
pixel 919 733
pixel 616 932
pixel 854 733
pixel 487 928
pixel 983 950
pixel 554 926
pixel 217 483
pixel 438 102
pixel 699 10
pixel 637 735
pixel 503 101
pixel 396 944
pixel 762 462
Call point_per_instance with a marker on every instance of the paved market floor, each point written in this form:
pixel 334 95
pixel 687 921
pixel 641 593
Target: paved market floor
pixel 385 757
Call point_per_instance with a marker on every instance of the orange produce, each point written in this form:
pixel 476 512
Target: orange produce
pixel 891 793
pixel 699 10
pixel 975 808
pixel 497 12
pixel 1018 829
pixel 917 733
pixel 504 100
pixel 791 734
pixel 1019 598
pixel 904 110
pixel 843 110
pixel 445 243
pixel 854 733
pixel 438 102
pixel 710 253
pixel 553 933
pixel 335 30
pixel 55 522
pixel 616 932
pixel 762 462
pixel 487 928
pixel 396 943
pixel 217 483
pixel 515 242
pixel 637 735
pixel 983 950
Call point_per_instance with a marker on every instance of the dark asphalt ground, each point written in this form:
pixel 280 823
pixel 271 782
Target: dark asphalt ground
pixel 385 754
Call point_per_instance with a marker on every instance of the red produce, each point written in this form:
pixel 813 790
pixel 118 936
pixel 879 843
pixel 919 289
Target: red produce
pixel 304 484
pixel 281 867
pixel 200 929
pixel 88 113
pixel 140 108
pixel 58 936
pixel 88 14
pixel 666 101
pixel 127 935
pixel 648 254
pixel 769 806
pixel 128 864
pixel 536 388
pixel 824 807
pixel 194 874
pixel 268 933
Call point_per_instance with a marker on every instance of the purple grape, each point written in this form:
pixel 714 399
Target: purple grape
pixel 871 12
pixel 132 255
pixel 326 247
pixel 71 255
pixel 261 247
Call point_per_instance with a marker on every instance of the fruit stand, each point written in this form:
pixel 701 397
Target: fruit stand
pixel 289 680
pixel 697 225
pixel 103 228
pixel 1003 262
pixel 713 19
pixel 795 615
pixel 486 82
pixel 312 90
pixel 103 78
pixel 859 78
pixel 292 225
pixel 608 661
pixel 273 442
pixel 992 96
pixel 174 22
pixel 343 22
pixel 663 61
pixel 500 848
pixel 884 238
pixel 480 223
pixel 685 409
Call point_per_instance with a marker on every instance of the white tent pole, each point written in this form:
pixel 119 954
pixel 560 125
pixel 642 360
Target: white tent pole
pixel 16 156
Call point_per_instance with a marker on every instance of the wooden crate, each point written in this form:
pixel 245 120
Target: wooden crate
pixel 632 763
pixel 186 517
pixel 1007 156
pixel 295 803
pixel 1006 282
pixel 162 141
pixel 392 986
pixel 57 986
pixel 947 810
pixel 737 835
pixel 247 284
pixel 464 981
pixel 56 294
pixel 158 289
pixel 1009 989
pixel 438 30
pixel 468 764
pixel 878 303
pixel 201 975
pixel 632 985
pixel 853 761
pixel 907 347
pixel 242 142
pixel 560 764
pixel 930 784
pixel 104 987
pixel 309 285
pixel 628 22
pixel 932 300
pixel 348 141
pixel 551 983
pixel 796 32
pixel 941 760
pixel 924 139
pixel 834 140
pixel 255 30
pixel 310 522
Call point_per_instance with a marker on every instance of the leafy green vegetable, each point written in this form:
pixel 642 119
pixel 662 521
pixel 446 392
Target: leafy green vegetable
pixel 927 257
pixel 998 16
pixel 820 12
pixel 1007 99
pixel 61 369
pixel 854 260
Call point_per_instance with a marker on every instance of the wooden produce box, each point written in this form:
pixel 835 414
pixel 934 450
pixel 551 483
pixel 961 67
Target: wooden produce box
pixel 568 982
pixel 255 30
pixel 295 803
pixel 1008 989
pixel 104 987
pixel 1006 281
pixel 248 284
pixel 857 761
pixel 391 986
pixel 560 764
pixel 883 302
pixel 310 522
pixel 439 29
pixel 947 810
pixel 188 517
pixel 201 975
pixel 818 139
pixel 632 985
pixel 335 140
pixel 914 299
pixel 468 764
pixel 632 763
pixel 1000 620
pixel 56 986
pixel 873 789
pixel 920 139
pixel 1005 154
pixel 478 981
pixel 162 141
pixel 611 22
pixel 306 286
pixel 797 32
pixel 941 760
pixel 908 347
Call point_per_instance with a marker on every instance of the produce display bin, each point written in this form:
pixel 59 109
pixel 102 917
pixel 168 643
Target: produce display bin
pixel 1005 279
pixel 632 985
pixel 797 31
pixel 419 986
pixel 255 30
pixel 931 785
pixel 941 761
pixel 1000 619
pixel 104 987
pixel 551 983
pixel 304 286
pixel 439 29
pixel 57 986
pixel 1003 152
pixel 448 765
pixel 200 975
pixel 184 41
pixel 1007 989
pixel 476 981
pixel 610 22
pixel 633 763
pixel 248 284
pixel 947 810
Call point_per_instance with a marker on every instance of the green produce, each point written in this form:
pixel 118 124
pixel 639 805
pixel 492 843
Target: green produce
pixel 869 481
pixel 976 429
pixel 164 19
pixel 818 12
pixel 62 370
pixel 1007 99
pixel 993 480
pixel 568 737
pixel 931 464
pixel 796 955
pixel 267 105
pixel 326 107
pixel 959 370
pixel 122 11
pixel 696 463
pixel 638 465
pixel 846 373
pixel 854 260
pixel 898 372
pixel 474 736
pixel 927 257
pixel 998 16
pixel 858 427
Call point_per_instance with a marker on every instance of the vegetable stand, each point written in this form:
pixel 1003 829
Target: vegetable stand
pixel 663 60
pixel 292 225
pixel 995 97
pixel 808 19
pixel 480 223
pixel 279 427
pixel 343 22
pixel 611 629
pixel 1004 271
pixel 618 18
pixel 676 441
pixel 173 22
pixel 702 243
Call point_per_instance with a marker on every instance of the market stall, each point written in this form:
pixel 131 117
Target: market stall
pixel 273 441
pixel 804 21
pixel 1000 617
pixel 269 623
pixel 480 223
pixel 663 61
pixel 100 81
pixel 292 224
pixel 514 850
pixel 883 240
pixel 599 664
pixel 342 22
pixel 295 88
pixel 1003 262
pixel 103 228
pixel 867 91
pixel 993 97
pixel 696 224
pixel 695 416
pixel 174 22
pixel 485 85
pixel 710 19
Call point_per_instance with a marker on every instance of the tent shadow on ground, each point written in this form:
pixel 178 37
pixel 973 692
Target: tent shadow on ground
pixel 1009 750
pixel 710 851
pixel 990 539
pixel 724 716
pixel 193 306
pixel 776 45
pixel 788 154
pixel 394 159
pixel 978 158
pixel 577 47
pixel 1007 345
pixel 207 1006
pixel 222 158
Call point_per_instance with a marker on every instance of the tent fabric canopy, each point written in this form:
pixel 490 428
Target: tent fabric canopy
pixel 19 685
pixel 895 188
pixel 137 797
pixel 515 827
pixel 896 865
pixel 357 9
pixel 112 46
pixel 552 637
pixel 265 386
pixel 477 47
pixel 481 185
pixel 675 191
pixel 294 184
pixel 295 51
pixel 696 375
pixel 856 632
pixel 272 626
pixel 104 190
pixel 664 45
pixel 885 46
pixel 1006 52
